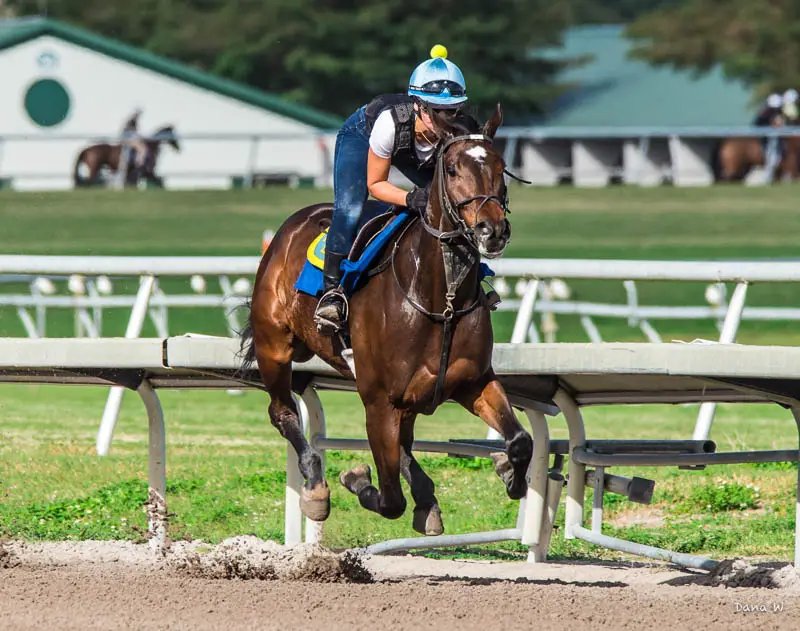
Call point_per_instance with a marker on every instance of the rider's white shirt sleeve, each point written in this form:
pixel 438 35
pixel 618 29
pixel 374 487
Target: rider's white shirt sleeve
pixel 381 140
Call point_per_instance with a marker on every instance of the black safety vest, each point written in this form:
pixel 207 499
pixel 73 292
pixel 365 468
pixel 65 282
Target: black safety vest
pixel 404 157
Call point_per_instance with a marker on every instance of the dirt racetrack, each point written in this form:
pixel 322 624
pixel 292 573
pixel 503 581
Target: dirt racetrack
pixel 117 585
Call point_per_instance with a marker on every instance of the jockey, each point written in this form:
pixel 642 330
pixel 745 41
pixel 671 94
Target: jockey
pixel 133 147
pixel 392 130
pixel 772 108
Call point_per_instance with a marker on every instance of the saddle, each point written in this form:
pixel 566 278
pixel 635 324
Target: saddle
pixel 382 224
pixel 374 234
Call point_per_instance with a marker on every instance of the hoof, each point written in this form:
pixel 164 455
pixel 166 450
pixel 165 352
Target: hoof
pixel 428 521
pixel 502 466
pixel 516 488
pixel 316 503
pixel 357 479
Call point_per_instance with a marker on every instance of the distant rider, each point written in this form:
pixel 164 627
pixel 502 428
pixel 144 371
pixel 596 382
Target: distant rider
pixel 133 147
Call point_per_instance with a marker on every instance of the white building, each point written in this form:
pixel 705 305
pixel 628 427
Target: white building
pixel 64 88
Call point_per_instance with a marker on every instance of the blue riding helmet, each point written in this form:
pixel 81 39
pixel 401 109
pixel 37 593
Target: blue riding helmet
pixel 438 81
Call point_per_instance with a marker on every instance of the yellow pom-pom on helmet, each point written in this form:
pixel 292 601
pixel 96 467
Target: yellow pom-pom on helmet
pixel 438 51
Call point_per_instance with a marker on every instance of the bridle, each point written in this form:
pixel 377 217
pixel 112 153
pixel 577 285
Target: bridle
pixel 460 254
pixel 450 208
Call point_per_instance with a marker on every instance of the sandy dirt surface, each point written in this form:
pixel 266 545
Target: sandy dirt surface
pixel 245 583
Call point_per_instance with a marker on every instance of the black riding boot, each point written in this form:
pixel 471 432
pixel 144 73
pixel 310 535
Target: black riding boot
pixel 331 313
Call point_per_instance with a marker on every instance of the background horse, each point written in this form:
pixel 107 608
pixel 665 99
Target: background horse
pixel 736 157
pixel 95 157
pixel 398 333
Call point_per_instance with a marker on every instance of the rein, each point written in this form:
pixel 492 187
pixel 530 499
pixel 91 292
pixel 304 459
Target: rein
pixel 459 253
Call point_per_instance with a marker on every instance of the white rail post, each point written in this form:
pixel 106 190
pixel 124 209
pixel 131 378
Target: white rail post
pixel 525 313
pixel 730 327
pixel 315 427
pixel 521 326
pixel 111 412
pixel 796 415
pixel 576 484
pixel 532 508
pixel 157 523
pixel 292 517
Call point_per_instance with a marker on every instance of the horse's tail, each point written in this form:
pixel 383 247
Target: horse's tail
pixel 247 346
pixel 76 172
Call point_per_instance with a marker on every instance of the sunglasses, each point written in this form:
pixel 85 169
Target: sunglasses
pixel 437 87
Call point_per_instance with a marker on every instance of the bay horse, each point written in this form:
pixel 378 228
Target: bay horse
pixel 94 157
pixel 736 157
pixel 420 330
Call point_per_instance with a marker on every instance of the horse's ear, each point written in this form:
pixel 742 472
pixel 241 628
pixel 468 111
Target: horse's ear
pixel 491 126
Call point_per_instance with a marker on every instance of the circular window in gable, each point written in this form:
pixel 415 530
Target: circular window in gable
pixel 47 102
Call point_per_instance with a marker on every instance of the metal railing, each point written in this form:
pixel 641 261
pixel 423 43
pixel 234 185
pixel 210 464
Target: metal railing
pixel 588 155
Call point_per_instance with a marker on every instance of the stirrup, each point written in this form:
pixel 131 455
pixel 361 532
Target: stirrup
pixel 493 300
pixel 327 323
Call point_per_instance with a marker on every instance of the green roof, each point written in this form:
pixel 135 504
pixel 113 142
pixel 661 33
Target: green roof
pixel 18 31
pixel 614 90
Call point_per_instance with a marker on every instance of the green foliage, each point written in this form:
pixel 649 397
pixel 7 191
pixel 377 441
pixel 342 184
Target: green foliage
pixel 612 11
pixel 720 496
pixel 108 513
pixel 754 41
pixel 338 55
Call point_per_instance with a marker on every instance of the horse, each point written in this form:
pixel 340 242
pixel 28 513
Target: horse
pixel 735 157
pixel 420 333
pixel 97 156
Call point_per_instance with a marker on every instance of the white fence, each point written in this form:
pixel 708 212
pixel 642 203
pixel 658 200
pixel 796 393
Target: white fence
pixel 529 287
pixel 543 379
pixel 537 297
pixel 547 156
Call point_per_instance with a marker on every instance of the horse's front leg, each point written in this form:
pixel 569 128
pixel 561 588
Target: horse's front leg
pixel 427 514
pixel 487 399
pixel 383 431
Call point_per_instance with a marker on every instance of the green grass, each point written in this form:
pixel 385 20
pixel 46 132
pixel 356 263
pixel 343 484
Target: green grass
pixel 225 462
pixel 225 474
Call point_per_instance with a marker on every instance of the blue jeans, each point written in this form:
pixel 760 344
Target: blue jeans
pixel 350 182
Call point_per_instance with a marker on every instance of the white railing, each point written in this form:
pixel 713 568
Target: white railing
pixel 541 289
pixel 588 156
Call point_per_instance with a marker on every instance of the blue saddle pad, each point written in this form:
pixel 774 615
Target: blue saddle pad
pixel 353 272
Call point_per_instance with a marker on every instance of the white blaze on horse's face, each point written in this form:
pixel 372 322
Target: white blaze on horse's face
pixel 477 153
pixel 481 183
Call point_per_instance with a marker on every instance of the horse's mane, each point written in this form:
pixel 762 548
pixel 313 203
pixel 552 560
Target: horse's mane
pixel 456 123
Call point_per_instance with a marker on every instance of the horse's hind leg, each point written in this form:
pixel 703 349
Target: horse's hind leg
pixel 487 399
pixel 315 496
pixel 383 429
pixel 427 515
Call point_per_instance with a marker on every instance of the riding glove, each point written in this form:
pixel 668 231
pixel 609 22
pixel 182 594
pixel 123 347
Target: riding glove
pixel 417 199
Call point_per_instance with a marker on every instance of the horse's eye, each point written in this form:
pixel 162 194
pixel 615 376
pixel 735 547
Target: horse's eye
pixel 451 171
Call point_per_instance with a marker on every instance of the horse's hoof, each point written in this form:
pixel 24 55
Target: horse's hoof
pixel 357 479
pixel 316 503
pixel 502 466
pixel 516 488
pixel 428 521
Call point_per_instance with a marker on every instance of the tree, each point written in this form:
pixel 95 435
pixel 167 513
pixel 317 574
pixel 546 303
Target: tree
pixel 612 11
pixel 337 54
pixel 755 41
